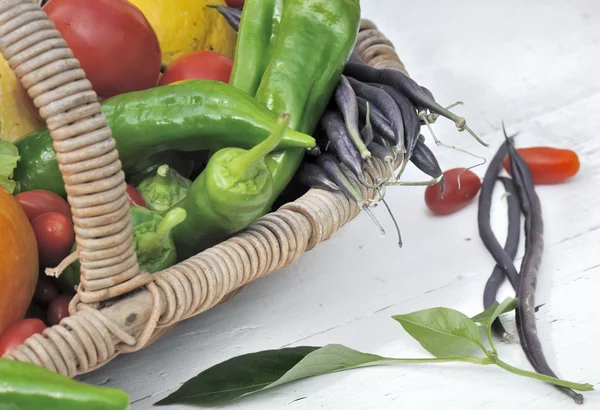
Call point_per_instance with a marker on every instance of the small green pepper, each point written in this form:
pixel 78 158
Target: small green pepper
pixel 163 190
pixel 24 386
pixel 147 166
pixel 152 241
pixel 229 194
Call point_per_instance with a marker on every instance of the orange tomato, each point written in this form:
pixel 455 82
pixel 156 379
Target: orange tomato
pixel 18 261
pixel 548 165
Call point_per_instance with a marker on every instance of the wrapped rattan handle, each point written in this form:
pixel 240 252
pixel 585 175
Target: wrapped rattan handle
pixel 85 149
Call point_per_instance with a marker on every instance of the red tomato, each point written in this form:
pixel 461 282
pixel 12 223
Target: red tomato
pixel 238 4
pixel 113 41
pixel 38 202
pixel 202 65
pixel 134 196
pixel 18 332
pixel 548 165
pixel 58 309
pixel 454 199
pixel 55 237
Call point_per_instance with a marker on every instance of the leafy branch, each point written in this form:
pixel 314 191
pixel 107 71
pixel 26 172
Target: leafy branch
pixel 447 334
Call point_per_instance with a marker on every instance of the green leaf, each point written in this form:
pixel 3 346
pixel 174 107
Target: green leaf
pixel 442 332
pixel 487 317
pixel 9 156
pixel 255 372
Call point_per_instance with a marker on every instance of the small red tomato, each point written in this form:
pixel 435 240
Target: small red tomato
pixel 112 39
pixel 38 202
pixel 548 165
pixel 201 65
pixel 55 237
pixel 454 199
pixel 58 309
pixel 134 196
pixel 238 4
pixel 18 332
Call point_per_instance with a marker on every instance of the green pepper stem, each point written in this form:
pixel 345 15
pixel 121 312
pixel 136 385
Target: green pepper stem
pixel 163 170
pixel 173 218
pixel 244 164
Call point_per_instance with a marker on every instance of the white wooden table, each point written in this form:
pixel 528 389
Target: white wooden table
pixel 533 64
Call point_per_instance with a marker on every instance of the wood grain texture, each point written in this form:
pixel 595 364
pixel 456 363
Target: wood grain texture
pixel 532 64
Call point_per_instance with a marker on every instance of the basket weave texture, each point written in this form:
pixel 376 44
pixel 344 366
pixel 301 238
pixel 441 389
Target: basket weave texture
pixel 119 309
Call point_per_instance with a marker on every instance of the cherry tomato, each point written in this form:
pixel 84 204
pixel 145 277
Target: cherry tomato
pixel 45 290
pixel 55 237
pixel 548 165
pixel 238 4
pixel 58 309
pixel 18 332
pixel 38 202
pixel 203 65
pixel 113 41
pixel 454 199
pixel 134 196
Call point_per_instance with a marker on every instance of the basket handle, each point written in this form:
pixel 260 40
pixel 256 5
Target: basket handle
pixel 85 149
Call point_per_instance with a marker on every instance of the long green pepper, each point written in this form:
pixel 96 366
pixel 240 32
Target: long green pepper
pixel 188 116
pixel 25 386
pixel 308 49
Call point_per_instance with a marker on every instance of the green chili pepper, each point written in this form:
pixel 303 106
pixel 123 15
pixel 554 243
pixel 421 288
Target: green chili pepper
pixel 177 160
pixel 192 115
pixel 227 196
pixel 307 52
pixel 24 386
pixel 163 190
pixel 152 241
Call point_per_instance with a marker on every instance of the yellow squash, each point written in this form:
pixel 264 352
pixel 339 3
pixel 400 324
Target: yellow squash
pixel 183 26
pixel 18 115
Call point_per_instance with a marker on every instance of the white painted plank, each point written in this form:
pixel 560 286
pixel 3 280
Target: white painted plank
pixel 533 64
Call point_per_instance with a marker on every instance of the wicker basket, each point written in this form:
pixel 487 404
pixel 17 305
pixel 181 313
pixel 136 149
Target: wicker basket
pixel 119 309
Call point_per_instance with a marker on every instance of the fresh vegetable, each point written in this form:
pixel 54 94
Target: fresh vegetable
pixel 9 157
pixel 380 123
pixel 55 237
pixel 386 104
pixel 164 190
pixel 425 160
pixel 18 332
pixel 229 194
pixel 293 72
pixel 185 26
pixel 182 162
pixel 454 198
pixel 203 65
pixel 18 261
pixel 18 114
pixel 190 116
pixel 361 71
pixel 511 246
pixel 25 386
pixel 58 309
pixel 450 336
pixel 134 197
pixel 38 202
pixel 530 265
pixel 503 258
pixel 45 290
pixel 113 41
pixel 345 98
pixel 313 176
pixel 548 165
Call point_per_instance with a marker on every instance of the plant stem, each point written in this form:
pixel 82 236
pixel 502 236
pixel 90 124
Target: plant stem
pixel 244 164
pixel 544 378
pixel 475 360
